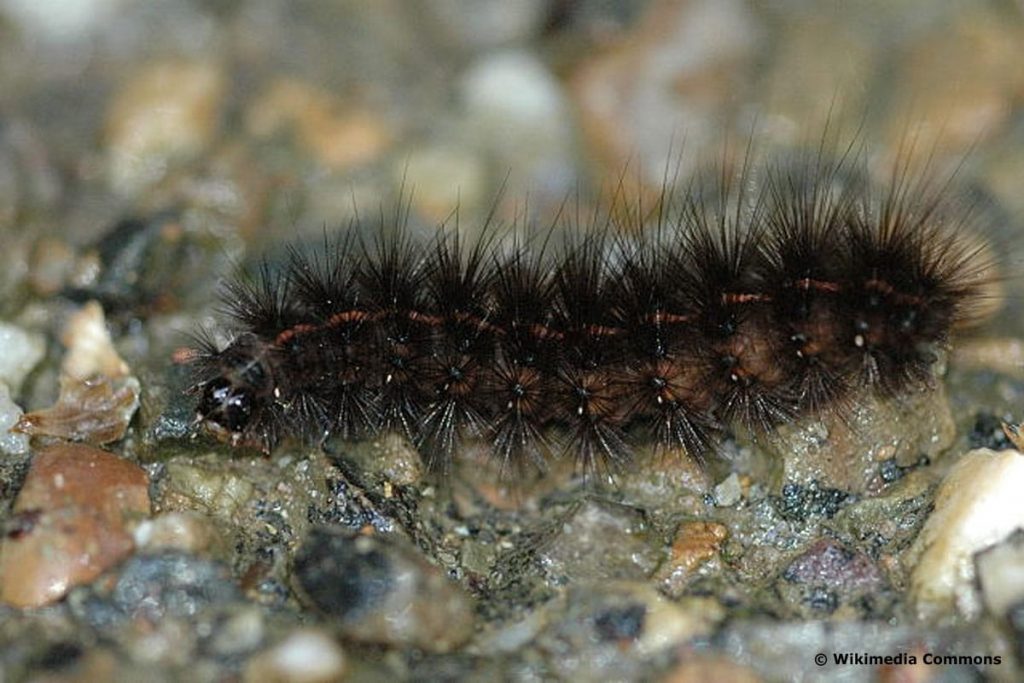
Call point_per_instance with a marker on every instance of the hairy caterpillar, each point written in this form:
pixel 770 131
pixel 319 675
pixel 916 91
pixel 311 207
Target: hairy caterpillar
pixel 749 300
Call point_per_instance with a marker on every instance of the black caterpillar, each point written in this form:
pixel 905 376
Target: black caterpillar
pixel 750 301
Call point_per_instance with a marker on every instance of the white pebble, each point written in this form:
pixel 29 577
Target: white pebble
pixel 243 632
pixel 91 351
pixel 305 656
pixel 60 20
pixel 978 505
pixel 729 491
pixel 22 350
pixel 515 106
pixel 10 413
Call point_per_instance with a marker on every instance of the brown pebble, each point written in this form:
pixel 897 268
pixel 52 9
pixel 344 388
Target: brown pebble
pixel 696 543
pixel 93 410
pixel 704 668
pixel 69 523
pixel 98 394
pixel 50 267
pixel 908 673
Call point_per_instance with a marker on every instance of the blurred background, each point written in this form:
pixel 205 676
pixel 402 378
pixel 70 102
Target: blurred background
pixel 249 122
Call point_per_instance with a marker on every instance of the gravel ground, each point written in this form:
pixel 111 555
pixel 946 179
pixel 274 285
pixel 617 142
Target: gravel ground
pixel 150 148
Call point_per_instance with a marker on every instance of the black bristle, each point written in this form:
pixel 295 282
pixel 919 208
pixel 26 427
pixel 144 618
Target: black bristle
pixel 747 300
pixel 808 204
pixel 751 373
pixel 592 354
pixel 392 275
pixel 520 396
pixel 462 344
pixel 263 305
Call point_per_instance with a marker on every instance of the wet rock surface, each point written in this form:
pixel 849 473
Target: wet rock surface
pixel 863 449
pixel 148 150
pixel 569 554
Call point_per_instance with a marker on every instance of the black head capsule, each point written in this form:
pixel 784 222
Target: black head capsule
pixel 239 389
pixel 225 405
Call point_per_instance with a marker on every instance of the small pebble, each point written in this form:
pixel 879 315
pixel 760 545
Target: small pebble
pixel 186 531
pixel 22 350
pixel 98 395
pixel 153 589
pixel 12 443
pixel 695 543
pixel 210 487
pixel 378 590
pixel 828 575
pixel 305 656
pixel 94 411
pixel 70 522
pixel 797 502
pixel 828 561
pixel 90 349
pixel 978 505
pixel 729 492
pixel 51 266
pixel 241 632
pixel 516 107
pixel 60 22
pixel 695 552
pixel 987 432
pixel 340 137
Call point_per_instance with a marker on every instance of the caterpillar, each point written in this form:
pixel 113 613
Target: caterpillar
pixel 737 299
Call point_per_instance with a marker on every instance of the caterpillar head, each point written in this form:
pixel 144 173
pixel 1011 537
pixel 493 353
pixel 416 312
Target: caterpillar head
pixel 226 405
pixel 236 389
